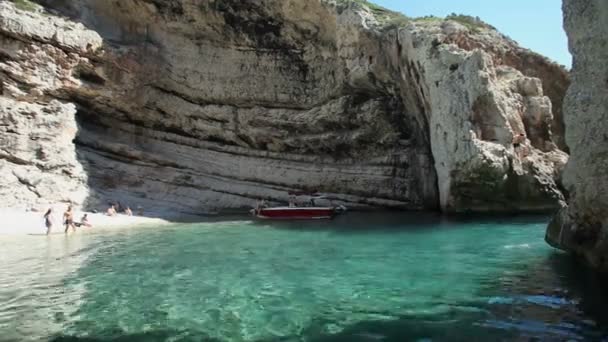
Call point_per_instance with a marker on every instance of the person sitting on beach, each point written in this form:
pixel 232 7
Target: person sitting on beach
pixel 111 211
pixel 68 219
pixel 128 211
pixel 48 221
pixel 84 221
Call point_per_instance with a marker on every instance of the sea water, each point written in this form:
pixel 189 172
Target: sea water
pixel 361 277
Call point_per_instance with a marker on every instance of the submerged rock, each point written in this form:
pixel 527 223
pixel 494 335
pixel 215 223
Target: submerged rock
pixel 194 108
pixel 582 226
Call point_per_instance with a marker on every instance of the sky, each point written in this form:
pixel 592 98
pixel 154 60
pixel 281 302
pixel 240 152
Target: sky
pixel 534 24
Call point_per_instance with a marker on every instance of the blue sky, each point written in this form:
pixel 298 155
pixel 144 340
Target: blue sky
pixel 535 24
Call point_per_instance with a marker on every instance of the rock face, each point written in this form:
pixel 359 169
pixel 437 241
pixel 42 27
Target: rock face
pixel 195 107
pixel 38 160
pixel 475 109
pixel 582 226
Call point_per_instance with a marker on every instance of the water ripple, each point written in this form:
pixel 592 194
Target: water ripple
pixel 341 281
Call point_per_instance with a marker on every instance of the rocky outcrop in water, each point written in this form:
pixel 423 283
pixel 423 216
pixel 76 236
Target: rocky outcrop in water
pixel 582 226
pixel 195 107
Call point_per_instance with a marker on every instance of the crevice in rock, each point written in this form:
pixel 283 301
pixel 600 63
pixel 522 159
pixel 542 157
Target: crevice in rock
pixel 14 159
pixel 28 185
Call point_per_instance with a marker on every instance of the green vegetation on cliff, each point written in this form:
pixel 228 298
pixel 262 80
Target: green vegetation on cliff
pixel 474 24
pixel 387 18
pixel 25 5
pixel 392 19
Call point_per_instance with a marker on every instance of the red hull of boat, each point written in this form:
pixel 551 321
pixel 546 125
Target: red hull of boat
pixel 287 213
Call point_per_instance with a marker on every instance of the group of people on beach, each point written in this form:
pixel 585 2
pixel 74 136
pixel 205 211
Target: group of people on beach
pixel 114 209
pixel 68 217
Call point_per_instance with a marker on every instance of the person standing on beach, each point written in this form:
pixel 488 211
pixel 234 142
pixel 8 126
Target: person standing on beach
pixel 68 219
pixel 48 221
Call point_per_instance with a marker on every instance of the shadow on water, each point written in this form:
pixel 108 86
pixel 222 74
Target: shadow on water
pixel 152 336
pixel 360 222
pixel 415 329
pixel 450 326
pixel 542 317
pixel 439 328
pixel 391 221
pixel 512 219
pixel 582 282
pixel 558 296
pixel 428 328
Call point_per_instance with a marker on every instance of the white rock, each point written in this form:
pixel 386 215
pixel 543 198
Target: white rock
pixel 582 227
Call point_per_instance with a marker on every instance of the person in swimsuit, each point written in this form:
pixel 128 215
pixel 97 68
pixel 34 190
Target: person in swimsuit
pixel 48 221
pixel 111 211
pixel 68 219
pixel 84 221
pixel 128 211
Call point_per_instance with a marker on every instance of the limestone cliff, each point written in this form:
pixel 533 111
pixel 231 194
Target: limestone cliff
pixel 197 106
pixel 582 227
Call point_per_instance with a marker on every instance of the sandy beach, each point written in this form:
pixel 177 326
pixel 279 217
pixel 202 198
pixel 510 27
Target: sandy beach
pixel 21 222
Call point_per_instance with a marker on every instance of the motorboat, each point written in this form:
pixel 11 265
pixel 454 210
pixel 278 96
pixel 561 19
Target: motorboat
pixel 294 212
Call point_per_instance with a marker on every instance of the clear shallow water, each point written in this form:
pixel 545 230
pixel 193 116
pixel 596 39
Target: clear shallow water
pixel 373 277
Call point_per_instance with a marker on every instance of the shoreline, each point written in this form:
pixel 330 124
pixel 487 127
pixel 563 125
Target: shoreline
pixel 19 222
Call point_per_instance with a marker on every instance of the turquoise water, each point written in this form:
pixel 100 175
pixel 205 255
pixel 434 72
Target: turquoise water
pixel 361 277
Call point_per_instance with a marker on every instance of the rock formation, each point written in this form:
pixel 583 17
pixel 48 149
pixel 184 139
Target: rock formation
pixel 194 107
pixel 582 226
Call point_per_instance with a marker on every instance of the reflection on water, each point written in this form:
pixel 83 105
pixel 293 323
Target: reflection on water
pixel 33 300
pixel 373 277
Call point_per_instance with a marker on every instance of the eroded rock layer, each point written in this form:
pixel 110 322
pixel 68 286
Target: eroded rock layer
pixel 199 106
pixel 582 226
